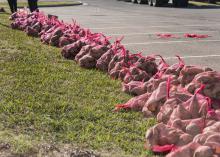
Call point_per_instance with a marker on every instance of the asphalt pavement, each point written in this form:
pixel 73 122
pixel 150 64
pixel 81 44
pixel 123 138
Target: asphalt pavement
pixel 139 25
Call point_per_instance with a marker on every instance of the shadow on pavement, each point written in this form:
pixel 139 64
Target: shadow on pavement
pixel 191 6
pixel 57 5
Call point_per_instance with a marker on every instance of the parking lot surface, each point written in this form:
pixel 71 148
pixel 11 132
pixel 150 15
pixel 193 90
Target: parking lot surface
pixel 139 25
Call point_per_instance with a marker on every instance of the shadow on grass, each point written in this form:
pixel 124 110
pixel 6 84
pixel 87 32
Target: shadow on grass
pixel 5 13
pixel 2 24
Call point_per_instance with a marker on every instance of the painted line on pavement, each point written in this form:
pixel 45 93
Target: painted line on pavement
pixel 170 42
pixel 185 57
pixel 160 26
pixel 214 24
pixel 131 34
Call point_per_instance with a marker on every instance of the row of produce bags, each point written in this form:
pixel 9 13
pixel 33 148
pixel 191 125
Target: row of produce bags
pixel 185 99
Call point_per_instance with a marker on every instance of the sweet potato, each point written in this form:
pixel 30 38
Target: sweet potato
pixel 188 73
pixel 211 80
pixel 114 73
pixel 97 51
pixel 162 134
pixel 87 61
pixel 84 51
pixel 188 125
pixel 213 138
pixel 31 32
pixel 135 103
pixel 185 151
pixel 119 57
pixel 215 146
pixel 134 87
pixel 180 113
pixel 71 50
pixel 103 61
pixel 193 129
pixel 147 64
pixel 213 128
pixel 63 41
pixel 175 68
pixel 166 110
pixel 157 98
pixel 184 139
pixel 133 74
pixel 201 138
pixel 203 151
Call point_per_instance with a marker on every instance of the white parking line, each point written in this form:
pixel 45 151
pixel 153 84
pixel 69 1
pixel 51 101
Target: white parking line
pixel 204 56
pixel 187 25
pixel 131 34
pixel 124 22
pixel 160 26
pixel 170 42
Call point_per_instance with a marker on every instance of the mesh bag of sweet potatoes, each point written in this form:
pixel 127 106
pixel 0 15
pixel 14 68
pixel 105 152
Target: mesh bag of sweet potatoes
pixel 185 101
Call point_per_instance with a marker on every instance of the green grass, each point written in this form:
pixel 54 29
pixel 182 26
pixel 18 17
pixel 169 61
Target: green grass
pixel 44 97
pixel 22 4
